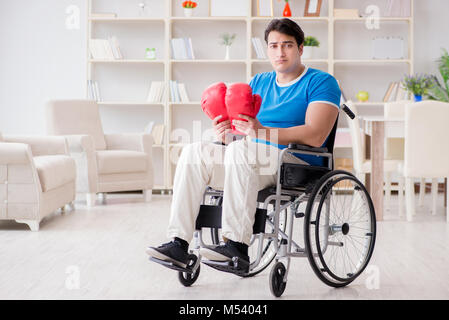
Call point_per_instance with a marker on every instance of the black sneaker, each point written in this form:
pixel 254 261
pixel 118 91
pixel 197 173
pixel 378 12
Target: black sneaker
pixel 224 252
pixel 171 251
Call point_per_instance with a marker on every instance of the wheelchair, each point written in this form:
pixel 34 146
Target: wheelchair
pixel 337 213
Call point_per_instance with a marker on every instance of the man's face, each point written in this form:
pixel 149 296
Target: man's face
pixel 283 52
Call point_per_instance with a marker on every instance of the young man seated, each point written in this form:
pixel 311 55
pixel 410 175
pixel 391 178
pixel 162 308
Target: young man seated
pixel 299 105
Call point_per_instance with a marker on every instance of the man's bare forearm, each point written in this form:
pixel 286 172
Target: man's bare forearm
pixel 300 134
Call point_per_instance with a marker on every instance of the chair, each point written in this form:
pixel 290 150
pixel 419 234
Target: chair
pixel 362 166
pixel 37 177
pixel 105 162
pixel 395 146
pixel 426 151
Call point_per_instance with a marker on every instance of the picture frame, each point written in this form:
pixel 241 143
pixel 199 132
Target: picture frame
pixel 312 8
pixel 228 8
pixel 265 8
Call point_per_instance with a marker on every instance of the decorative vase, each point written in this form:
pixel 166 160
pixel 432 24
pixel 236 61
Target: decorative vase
pixel 188 12
pixel 418 98
pixel 307 53
pixel 287 12
pixel 227 53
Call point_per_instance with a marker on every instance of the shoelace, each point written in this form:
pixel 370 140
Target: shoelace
pixel 165 244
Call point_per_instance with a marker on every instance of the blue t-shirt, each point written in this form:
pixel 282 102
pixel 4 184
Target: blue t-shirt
pixel 285 105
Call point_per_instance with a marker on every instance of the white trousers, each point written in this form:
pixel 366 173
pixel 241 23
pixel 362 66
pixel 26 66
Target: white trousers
pixel 240 169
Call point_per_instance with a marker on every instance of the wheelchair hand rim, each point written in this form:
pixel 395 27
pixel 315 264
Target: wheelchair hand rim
pixel 325 273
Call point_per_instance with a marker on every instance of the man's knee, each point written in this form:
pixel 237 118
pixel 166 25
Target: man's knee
pixel 202 152
pixel 238 152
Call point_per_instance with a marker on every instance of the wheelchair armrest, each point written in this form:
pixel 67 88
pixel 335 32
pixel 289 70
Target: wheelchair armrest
pixel 304 147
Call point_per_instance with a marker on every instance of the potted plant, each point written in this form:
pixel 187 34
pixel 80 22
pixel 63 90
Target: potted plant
pixel 309 45
pixel 418 85
pixel 188 7
pixel 227 40
pixel 440 91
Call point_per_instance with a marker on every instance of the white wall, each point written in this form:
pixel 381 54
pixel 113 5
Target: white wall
pixel 41 59
pixel 431 33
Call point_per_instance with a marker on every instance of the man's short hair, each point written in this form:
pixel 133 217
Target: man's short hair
pixel 285 26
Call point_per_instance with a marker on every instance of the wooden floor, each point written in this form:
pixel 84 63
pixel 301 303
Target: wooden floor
pixel 99 253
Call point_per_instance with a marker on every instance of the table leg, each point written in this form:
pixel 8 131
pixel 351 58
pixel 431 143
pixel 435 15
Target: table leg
pixel 368 156
pixel 445 192
pixel 377 172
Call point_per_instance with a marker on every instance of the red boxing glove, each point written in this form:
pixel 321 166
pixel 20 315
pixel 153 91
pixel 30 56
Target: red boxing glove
pixel 213 101
pixel 240 100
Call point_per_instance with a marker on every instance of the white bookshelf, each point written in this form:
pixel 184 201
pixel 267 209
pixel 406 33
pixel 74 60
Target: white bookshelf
pixel 165 21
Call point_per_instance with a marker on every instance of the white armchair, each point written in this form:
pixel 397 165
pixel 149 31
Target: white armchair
pixel 105 162
pixel 37 176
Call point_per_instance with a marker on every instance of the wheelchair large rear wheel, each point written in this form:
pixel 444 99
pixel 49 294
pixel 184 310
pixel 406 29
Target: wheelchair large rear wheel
pixel 339 228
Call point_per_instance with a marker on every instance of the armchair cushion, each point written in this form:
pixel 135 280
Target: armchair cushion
pixel 121 161
pixel 54 170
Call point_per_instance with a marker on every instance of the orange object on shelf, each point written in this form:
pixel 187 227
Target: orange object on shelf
pixel 287 12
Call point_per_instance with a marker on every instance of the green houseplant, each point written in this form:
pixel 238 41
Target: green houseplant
pixel 309 44
pixel 418 85
pixel 227 40
pixel 440 91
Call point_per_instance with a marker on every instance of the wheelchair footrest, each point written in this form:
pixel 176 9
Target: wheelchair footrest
pixel 236 266
pixel 171 265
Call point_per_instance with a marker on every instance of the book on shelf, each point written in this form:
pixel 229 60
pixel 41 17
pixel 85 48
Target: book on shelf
pixel 183 92
pixel 115 47
pixel 396 92
pixel 156 93
pixel 149 127
pixel 178 92
pixel 105 49
pixel 346 13
pixel 257 44
pixel 156 131
pixel 93 90
pixel 182 49
pixel 388 92
pixel 401 93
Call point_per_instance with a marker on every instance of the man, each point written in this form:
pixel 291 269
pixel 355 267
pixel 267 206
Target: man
pixel 299 105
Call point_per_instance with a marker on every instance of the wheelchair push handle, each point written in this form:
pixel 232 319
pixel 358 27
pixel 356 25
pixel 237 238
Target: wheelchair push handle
pixel 348 111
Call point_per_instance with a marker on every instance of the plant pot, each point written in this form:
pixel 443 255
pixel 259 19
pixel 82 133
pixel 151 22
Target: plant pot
pixel 417 98
pixel 227 56
pixel 188 12
pixel 308 52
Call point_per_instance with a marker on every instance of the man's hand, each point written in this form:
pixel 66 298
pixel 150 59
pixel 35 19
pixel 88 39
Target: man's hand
pixel 221 128
pixel 250 127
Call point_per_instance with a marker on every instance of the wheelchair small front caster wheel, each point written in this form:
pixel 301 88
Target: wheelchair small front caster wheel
pixel 277 283
pixel 189 278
